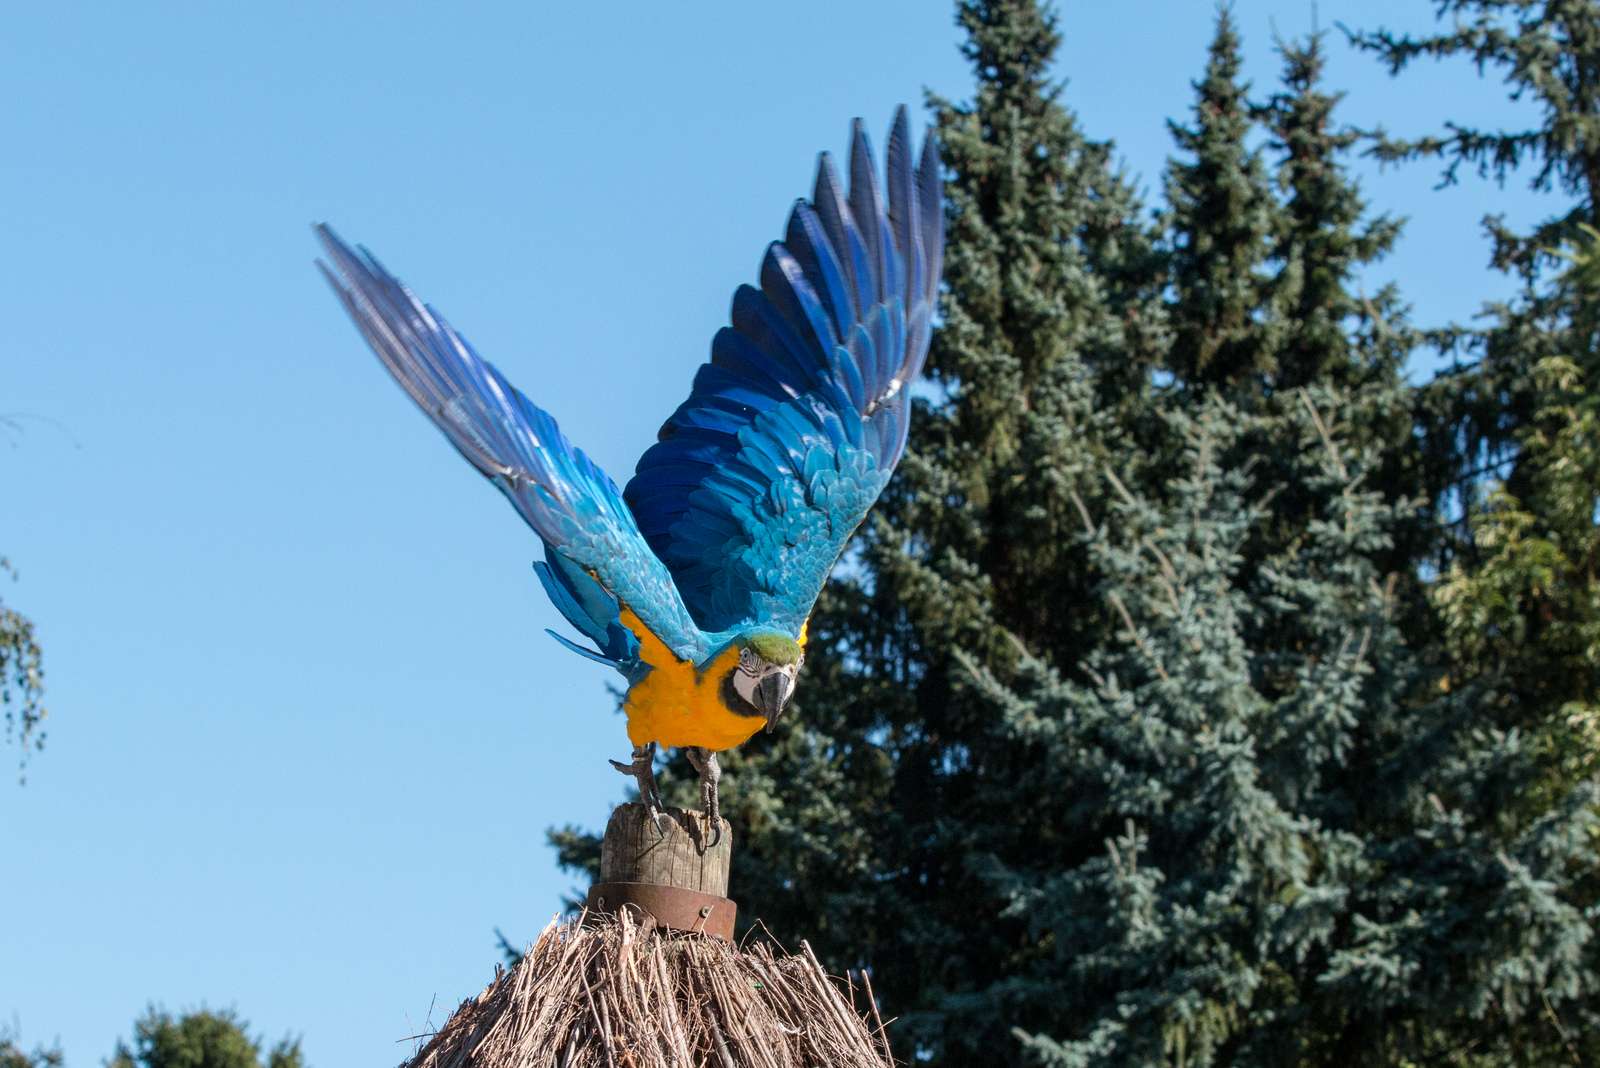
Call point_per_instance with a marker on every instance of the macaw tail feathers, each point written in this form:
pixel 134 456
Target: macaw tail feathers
pixel 589 608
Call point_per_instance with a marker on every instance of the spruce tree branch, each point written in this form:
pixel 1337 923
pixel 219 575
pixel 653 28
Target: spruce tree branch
pixel 1133 632
pixel 1561 1029
pixel 1172 595
pixel 1166 564
pixel 1379 325
pixel 1117 484
pixel 1327 438
pixel 1083 512
pixel 1169 577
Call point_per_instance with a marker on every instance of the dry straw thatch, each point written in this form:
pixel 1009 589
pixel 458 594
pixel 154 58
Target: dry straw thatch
pixel 610 993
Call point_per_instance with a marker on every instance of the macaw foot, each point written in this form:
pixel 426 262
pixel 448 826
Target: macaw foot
pixel 705 762
pixel 643 771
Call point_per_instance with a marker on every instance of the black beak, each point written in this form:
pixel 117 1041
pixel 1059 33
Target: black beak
pixel 772 693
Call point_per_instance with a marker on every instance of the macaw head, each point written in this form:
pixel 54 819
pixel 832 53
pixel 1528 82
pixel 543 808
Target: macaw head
pixel 763 680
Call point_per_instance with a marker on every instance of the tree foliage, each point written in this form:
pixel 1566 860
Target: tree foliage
pixel 1197 695
pixel 1547 54
pixel 1219 216
pixel 12 1055
pixel 21 677
pixel 200 1039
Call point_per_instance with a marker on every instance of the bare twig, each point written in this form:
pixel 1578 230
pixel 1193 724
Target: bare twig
pixel 1561 1030
pixel 872 1003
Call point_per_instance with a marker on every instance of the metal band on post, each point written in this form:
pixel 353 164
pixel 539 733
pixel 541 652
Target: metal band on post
pixel 674 880
pixel 667 907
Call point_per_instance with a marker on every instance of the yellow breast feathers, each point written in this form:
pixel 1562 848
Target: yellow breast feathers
pixel 677 705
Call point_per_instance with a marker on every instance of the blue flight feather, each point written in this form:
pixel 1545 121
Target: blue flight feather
pixel 557 490
pixel 735 516
pixel 829 344
pixel 588 654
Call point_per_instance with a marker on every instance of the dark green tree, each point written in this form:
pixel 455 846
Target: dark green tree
pixel 1220 215
pixel 1125 734
pixel 1548 54
pixel 1331 332
pixel 1289 855
pixel 1524 609
pixel 12 1055
pixel 875 820
pixel 200 1039
pixel 1509 442
pixel 868 819
pixel 1321 329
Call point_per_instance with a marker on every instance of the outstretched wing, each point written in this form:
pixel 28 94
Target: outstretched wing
pixel 561 493
pixel 793 428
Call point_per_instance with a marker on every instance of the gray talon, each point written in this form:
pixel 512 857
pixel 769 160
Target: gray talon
pixel 643 771
pixel 705 762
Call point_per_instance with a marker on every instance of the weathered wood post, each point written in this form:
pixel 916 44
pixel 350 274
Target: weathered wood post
pixel 677 880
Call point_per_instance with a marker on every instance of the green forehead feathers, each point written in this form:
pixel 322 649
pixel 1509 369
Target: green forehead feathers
pixel 775 648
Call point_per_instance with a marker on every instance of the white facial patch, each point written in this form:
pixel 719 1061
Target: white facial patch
pixel 747 677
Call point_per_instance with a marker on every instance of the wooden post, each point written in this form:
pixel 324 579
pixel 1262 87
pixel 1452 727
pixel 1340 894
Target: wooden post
pixel 676 880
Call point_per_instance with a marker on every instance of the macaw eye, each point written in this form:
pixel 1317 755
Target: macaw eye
pixel 749 662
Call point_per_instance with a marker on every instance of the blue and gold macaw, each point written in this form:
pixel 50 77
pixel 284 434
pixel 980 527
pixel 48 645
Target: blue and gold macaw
pixel 697 580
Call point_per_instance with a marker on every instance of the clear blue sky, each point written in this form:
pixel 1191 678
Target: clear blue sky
pixel 306 734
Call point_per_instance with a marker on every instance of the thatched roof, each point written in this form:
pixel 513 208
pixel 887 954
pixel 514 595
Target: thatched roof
pixel 611 993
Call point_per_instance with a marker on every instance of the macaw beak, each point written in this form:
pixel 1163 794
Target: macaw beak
pixel 772 694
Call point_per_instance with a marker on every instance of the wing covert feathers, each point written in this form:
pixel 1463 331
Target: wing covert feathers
pixel 792 429
pixel 737 513
pixel 559 491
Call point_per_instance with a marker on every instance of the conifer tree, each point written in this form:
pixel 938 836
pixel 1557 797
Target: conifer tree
pixel 1121 736
pixel 12 1055
pixel 1322 328
pixel 1507 427
pixel 1220 214
pixel 200 1039
pixel 1322 238
pixel 1203 872
pixel 1283 856
pixel 1548 54
pixel 1291 815
pixel 870 819
pixel 1525 609
pixel 873 820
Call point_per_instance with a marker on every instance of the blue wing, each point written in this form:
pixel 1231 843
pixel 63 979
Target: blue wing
pixel 595 553
pixel 792 430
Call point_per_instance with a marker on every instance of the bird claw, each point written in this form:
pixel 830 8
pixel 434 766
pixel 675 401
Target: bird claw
pixel 642 768
pixel 705 762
